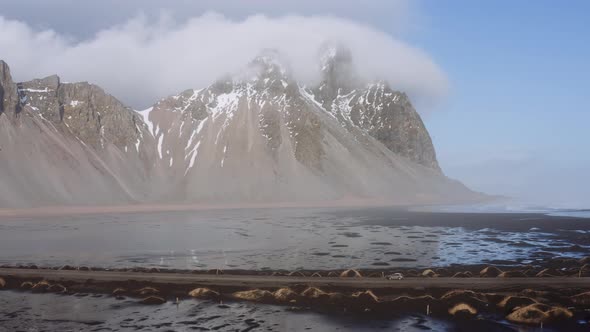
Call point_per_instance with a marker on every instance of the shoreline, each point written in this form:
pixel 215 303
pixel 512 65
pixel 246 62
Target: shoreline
pixel 59 210
pixel 351 202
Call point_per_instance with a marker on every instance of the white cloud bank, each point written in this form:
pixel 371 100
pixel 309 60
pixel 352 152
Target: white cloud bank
pixel 142 60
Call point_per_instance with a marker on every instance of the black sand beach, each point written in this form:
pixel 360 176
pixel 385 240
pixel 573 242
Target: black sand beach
pixel 539 257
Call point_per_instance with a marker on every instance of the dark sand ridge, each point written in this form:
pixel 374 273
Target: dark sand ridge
pixel 261 281
pixel 518 222
pixel 556 300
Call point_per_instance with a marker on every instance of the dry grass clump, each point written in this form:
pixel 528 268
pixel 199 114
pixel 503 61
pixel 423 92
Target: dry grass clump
pixel 429 273
pixel 147 291
pixel 41 286
pixel 26 285
pixel 549 273
pixel 314 293
pixel 511 302
pixel 582 298
pixel 463 310
pixel 559 314
pixel 203 293
pixel 285 295
pixel 465 296
pixel 528 315
pixel 584 271
pixel 119 291
pixel 257 295
pixel 351 273
pixel 538 313
pixel 57 288
pixel 466 274
pixel 490 272
pixel 366 297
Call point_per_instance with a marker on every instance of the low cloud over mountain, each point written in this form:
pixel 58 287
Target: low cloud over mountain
pixel 145 58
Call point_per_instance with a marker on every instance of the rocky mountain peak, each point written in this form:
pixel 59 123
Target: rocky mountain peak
pixel 253 137
pixel 338 75
pixel 270 63
pixel 266 88
pixel 8 94
pixel 333 56
pixel 388 116
pixel 268 71
pixel 375 108
pixel 3 68
pixel 82 110
pixel 5 76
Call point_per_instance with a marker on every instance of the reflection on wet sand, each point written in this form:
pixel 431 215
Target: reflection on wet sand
pixel 289 239
pixel 87 312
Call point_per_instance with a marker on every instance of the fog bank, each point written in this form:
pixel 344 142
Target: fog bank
pixel 144 60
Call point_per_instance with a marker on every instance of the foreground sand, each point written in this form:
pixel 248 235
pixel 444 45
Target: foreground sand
pixel 541 300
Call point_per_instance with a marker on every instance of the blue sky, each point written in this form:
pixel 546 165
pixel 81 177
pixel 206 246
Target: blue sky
pixel 516 118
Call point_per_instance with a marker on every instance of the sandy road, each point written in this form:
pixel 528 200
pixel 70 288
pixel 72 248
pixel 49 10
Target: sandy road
pixel 254 281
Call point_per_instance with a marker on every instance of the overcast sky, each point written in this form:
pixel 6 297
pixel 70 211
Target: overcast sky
pixel 502 85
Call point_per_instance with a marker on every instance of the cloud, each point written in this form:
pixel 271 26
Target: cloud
pixel 85 18
pixel 146 59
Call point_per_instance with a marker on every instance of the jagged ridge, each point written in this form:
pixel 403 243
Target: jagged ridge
pixel 255 136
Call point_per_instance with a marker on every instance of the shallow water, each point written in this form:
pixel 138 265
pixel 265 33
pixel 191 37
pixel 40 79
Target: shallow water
pixel 288 239
pixel 266 239
pixel 83 312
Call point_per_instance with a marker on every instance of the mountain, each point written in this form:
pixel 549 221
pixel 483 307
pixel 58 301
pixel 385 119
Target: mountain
pixel 256 136
pixel 375 108
pixel 64 143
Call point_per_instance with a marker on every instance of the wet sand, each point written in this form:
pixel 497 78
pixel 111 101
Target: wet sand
pixel 518 222
pixel 291 238
pixel 52 312
pixel 371 299
pixel 258 248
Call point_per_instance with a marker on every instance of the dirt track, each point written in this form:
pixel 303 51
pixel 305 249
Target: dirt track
pixel 255 281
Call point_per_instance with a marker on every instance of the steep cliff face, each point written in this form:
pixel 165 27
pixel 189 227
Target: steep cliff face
pixel 71 144
pixel 261 136
pixel 385 114
pixel 256 136
pixel 84 110
pixel 8 96
pixel 245 138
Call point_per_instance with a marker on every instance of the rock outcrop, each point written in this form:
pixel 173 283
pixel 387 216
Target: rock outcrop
pixel 8 96
pixel 374 108
pixel 63 143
